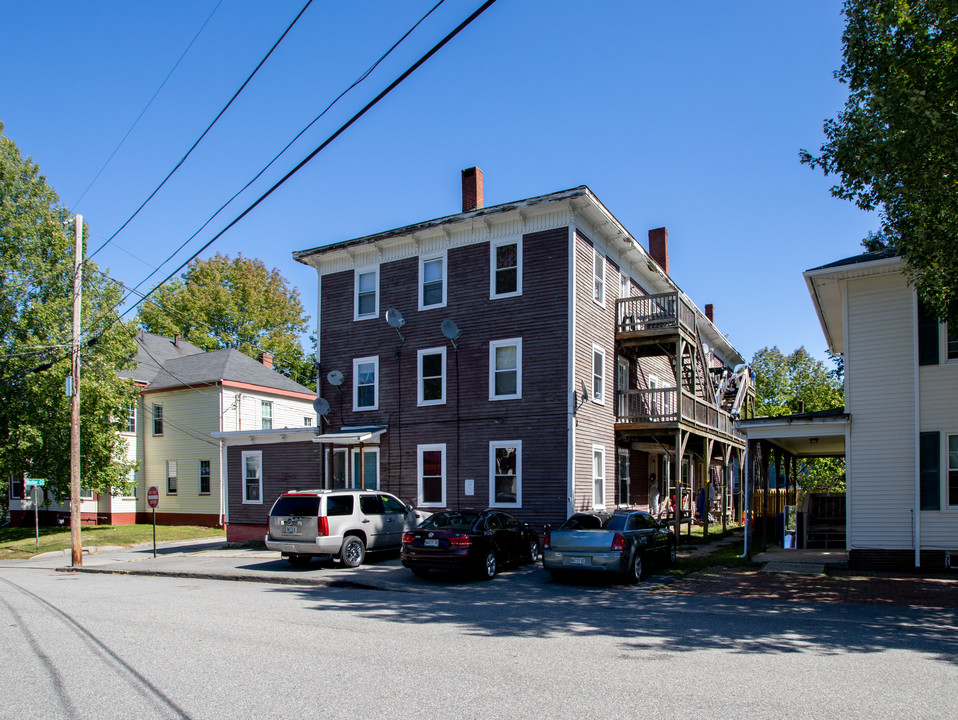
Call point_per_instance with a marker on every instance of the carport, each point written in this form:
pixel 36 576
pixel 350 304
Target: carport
pixel 782 441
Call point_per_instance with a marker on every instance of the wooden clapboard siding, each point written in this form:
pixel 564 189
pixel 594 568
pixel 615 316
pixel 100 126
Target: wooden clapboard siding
pixel 286 466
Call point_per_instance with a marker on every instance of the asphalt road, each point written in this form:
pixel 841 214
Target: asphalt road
pixel 122 646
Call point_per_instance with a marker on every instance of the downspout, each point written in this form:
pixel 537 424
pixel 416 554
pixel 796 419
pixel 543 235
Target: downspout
pixel 224 510
pixel 917 438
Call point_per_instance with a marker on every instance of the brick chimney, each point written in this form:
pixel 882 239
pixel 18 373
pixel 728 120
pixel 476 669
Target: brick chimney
pixel 659 247
pixel 471 189
pixel 266 358
pixel 710 312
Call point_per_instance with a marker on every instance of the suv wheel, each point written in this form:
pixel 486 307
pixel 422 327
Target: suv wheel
pixel 353 551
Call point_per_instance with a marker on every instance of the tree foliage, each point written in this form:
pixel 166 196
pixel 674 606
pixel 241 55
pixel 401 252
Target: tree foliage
pixel 234 303
pixel 36 307
pixel 894 146
pixel 788 384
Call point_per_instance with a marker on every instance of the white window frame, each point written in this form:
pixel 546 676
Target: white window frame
pixel 154 418
pixel 625 286
pixel 423 259
pixel 598 277
pixel 130 421
pixel 266 414
pixel 493 446
pixel 654 410
pixel 622 368
pixel 258 454
pixel 493 346
pixel 209 477
pixel 420 399
pixel 307 421
pixel 598 397
pixel 420 449
pixel 598 480
pixel 494 245
pixel 374 359
pixel 374 270
pixel 172 473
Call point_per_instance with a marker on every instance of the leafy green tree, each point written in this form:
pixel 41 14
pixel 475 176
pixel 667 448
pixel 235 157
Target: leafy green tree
pixel 787 384
pixel 895 145
pixel 36 307
pixel 234 303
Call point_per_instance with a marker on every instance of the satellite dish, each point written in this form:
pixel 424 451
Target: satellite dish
pixel 585 392
pixel 395 318
pixel 450 329
pixel 320 405
pixel 335 378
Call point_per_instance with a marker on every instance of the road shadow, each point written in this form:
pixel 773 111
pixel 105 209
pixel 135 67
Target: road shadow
pixel 643 622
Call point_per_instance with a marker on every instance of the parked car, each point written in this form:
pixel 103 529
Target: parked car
pixel 624 543
pixel 478 541
pixel 304 524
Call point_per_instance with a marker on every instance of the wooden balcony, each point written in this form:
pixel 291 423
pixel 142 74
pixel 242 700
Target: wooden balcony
pixel 665 409
pixel 648 319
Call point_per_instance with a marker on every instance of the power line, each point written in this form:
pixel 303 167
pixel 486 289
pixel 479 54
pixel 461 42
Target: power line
pixel 147 106
pixel 203 135
pixel 298 135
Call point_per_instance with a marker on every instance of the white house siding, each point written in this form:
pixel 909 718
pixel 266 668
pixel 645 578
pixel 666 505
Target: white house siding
pixel 880 396
pixel 242 410
pixel 938 412
pixel 189 416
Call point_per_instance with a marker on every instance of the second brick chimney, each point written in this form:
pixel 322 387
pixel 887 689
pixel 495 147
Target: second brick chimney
pixel 710 312
pixel 659 247
pixel 471 189
pixel 266 359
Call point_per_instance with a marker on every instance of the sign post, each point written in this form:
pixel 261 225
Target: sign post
pixel 36 484
pixel 153 499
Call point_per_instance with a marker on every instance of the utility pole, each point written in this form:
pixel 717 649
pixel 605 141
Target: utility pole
pixel 75 398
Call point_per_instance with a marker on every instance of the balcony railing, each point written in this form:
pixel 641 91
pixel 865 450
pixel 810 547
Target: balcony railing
pixel 661 406
pixel 654 312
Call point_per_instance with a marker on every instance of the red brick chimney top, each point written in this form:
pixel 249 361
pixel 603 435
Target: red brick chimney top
pixel 659 247
pixel 710 312
pixel 471 189
pixel 266 358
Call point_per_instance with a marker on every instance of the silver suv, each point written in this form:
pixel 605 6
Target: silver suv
pixel 338 523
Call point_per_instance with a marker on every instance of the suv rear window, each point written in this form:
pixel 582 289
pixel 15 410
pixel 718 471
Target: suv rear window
pixel 298 505
pixel 339 505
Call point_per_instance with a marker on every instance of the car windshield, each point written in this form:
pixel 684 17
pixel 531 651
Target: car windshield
pixel 450 521
pixel 298 505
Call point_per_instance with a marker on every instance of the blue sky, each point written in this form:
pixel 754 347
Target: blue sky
pixel 683 114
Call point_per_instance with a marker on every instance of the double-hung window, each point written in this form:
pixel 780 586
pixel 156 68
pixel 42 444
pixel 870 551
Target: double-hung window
pixel 505 369
pixel 431 475
pixel 171 477
pixel 598 375
pixel 952 338
pixel 366 298
pixel 252 462
pixel 505 474
pixel 366 383
pixel 505 257
pixel 157 419
pixel 432 281
pixel 598 477
pixel 432 377
pixel 131 420
pixel 204 477
pixel 953 470
pixel 598 273
pixel 266 414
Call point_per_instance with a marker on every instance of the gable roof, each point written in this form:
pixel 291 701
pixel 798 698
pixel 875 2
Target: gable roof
pixel 226 365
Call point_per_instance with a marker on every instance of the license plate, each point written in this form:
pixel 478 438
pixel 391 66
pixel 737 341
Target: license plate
pixel 577 560
pixel 291 529
pixel 430 542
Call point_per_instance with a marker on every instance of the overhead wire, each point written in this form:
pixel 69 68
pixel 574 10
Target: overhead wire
pixel 147 106
pixel 345 126
pixel 298 135
pixel 204 133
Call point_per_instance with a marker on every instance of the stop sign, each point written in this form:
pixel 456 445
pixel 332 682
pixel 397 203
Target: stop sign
pixel 153 496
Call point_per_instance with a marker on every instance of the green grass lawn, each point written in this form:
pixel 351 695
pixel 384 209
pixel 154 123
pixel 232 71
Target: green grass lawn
pixel 20 542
